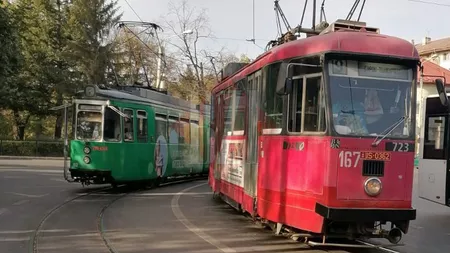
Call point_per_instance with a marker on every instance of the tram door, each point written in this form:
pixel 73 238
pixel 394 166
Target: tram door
pixel 434 159
pixel 251 164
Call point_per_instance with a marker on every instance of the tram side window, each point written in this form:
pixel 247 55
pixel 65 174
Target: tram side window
pixel 174 130
pixel 434 138
pixel 111 130
pixel 306 100
pixel 227 111
pixel 273 103
pixel 195 141
pixel 128 126
pixel 161 127
pixel 142 134
pixel 184 131
pixel 314 106
pixel 240 107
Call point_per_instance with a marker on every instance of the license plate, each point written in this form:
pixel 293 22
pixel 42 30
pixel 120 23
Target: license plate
pixel 372 155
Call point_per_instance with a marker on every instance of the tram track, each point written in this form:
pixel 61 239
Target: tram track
pixel 34 240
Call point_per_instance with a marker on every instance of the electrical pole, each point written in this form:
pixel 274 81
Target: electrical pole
pixel 159 66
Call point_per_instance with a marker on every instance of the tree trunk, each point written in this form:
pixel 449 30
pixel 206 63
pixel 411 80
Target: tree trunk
pixel 21 124
pixel 21 132
pixel 59 117
pixel 39 129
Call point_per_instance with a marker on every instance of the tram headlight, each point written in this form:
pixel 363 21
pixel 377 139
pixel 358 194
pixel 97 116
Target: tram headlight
pixel 373 186
pixel 87 150
pixel 87 160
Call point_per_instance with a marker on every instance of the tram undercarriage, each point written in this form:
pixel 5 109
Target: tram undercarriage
pixel 335 232
pixel 87 177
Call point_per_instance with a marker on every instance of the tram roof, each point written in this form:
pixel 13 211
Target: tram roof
pixel 339 42
pixel 151 97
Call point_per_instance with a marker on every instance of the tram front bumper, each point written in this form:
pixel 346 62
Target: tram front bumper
pixel 364 215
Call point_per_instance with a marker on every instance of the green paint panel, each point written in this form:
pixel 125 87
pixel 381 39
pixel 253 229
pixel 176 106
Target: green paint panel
pixel 163 148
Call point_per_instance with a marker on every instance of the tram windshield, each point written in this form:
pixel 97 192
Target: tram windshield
pixel 89 125
pixel 369 99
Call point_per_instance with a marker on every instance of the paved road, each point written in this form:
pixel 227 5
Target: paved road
pixel 175 218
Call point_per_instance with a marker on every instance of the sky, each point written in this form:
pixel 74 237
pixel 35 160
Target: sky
pixel 231 21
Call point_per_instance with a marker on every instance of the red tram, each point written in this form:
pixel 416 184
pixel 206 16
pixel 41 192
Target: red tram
pixel 317 135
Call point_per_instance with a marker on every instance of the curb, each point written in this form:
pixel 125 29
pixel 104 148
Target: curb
pixel 30 158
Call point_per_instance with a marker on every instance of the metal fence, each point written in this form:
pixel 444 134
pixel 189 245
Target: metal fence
pixel 32 148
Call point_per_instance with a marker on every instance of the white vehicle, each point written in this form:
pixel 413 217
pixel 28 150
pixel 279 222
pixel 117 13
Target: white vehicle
pixel 434 153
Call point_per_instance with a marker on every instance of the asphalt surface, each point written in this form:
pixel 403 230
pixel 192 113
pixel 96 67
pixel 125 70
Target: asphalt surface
pixel 181 217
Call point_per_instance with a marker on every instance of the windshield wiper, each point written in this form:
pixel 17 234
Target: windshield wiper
pixel 376 142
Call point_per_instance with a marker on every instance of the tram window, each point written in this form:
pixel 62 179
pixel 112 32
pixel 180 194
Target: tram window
pixel 240 109
pixel 184 131
pixel 295 107
pixel 434 138
pixel 161 127
pixel 142 134
pixel 111 131
pixel 227 111
pixel 128 126
pixel 174 130
pixel 314 119
pixel 89 125
pixel 195 141
pixel 273 103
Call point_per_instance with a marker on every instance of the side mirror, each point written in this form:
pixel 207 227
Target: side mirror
pixel 288 85
pixel 441 91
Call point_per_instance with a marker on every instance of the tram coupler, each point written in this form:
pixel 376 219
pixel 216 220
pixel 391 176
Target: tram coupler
pixel 394 235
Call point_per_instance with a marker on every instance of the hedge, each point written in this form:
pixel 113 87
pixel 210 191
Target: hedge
pixel 32 148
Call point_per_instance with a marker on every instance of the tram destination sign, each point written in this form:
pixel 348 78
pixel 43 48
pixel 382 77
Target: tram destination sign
pixel 383 70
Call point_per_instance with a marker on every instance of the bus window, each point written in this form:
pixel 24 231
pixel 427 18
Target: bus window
pixel 273 103
pixel 128 127
pixel 142 126
pixel 434 138
pixel 111 130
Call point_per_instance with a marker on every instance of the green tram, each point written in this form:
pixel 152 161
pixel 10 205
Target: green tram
pixel 136 135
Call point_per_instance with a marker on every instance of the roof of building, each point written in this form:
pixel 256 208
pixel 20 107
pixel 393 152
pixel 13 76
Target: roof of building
pixel 434 46
pixel 432 69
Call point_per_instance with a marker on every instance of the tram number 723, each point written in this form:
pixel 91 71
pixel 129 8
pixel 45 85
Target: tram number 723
pixel 349 159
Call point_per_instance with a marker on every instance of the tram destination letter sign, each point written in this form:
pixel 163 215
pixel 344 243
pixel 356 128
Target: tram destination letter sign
pixel 398 146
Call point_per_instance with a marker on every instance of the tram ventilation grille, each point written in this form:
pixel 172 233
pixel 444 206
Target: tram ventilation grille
pixel 373 168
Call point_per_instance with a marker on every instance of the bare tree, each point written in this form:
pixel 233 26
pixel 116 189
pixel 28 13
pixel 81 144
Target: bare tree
pixel 197 69
pixel 188 25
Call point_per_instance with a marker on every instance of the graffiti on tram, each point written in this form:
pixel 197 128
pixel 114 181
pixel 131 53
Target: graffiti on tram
pixel 233 160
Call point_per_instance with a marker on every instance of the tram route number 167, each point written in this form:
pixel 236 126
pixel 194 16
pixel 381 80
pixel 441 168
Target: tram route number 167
pixel 349 159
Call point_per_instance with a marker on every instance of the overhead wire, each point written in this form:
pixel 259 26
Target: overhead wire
pixel 430 3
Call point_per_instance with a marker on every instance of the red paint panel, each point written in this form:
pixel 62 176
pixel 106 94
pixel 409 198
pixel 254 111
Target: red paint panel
pixel 237 194
pixel 331 201
pixel 298 170
pixel 398 172
pixel 291 178
pixel 343 42
pixel 291 215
